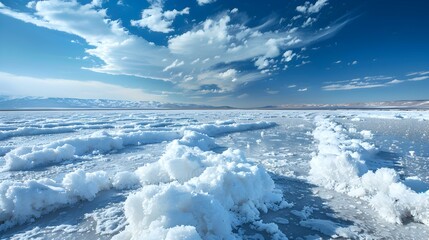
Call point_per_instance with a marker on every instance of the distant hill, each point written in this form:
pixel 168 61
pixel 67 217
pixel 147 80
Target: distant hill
pixel 43 103
pixel 402 104
pixel 34 103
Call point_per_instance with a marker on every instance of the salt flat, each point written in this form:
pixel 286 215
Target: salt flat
pixel 215 174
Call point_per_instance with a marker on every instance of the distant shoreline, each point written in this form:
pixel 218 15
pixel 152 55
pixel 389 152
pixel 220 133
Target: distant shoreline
pixel 209 109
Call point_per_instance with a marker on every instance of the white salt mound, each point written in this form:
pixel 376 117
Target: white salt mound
pixel 22 201
pixel 192 194
pixel 339 164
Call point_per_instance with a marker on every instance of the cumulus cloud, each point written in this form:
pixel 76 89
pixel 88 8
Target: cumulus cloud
pixel 220 42
pixel 309 8
pixel 158 20
pixel 66 88
pixel 230 73
pixel 302 90
pixel 288 55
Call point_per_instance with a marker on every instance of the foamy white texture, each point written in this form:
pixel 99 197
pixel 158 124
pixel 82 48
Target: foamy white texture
pixel 192 194
pixel 23 201
pixel 24 158
pixel 339 164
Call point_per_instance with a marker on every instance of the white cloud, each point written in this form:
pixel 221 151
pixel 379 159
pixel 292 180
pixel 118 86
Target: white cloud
pixel 175 64
pixel 312 8
pixel 309 22
pixel 230 73
pixel 296 17
pixel 395 81
pixel 234 10
pixel 195 61
pixel 30 4
pixel 362 83
pixel 262 63
pixel 302 90
pixel 421 73
pixel 204 2
pixel 292 86
pixel 158 20
pixel 288 55
pixel 379 77
pixel 338 62
pixel 49 87
pixel 271 92
pixel 352 63
pixel 125 54
pixel 418 78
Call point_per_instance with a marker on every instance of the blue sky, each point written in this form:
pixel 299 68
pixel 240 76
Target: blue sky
pixel 217 52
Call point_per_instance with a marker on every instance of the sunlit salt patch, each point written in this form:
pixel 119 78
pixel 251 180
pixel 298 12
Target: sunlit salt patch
pixel 224 122
pixel 339 164
pixel 366 134
pixel 23 158
pixel 352 130
pixel 21 202
pixel 125 180
pixel 200 140
pixel 64 228
pixel 332 229
pixel 109 220
pixel 199 195
pixel 33 234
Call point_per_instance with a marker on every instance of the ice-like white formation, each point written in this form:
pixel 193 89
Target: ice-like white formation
pixel 23 201
pixel 192 194
pixel 330 228
pixel 27 131
pixel 225 127
pixel 50 129
pixel 24 158
pixel 339 164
